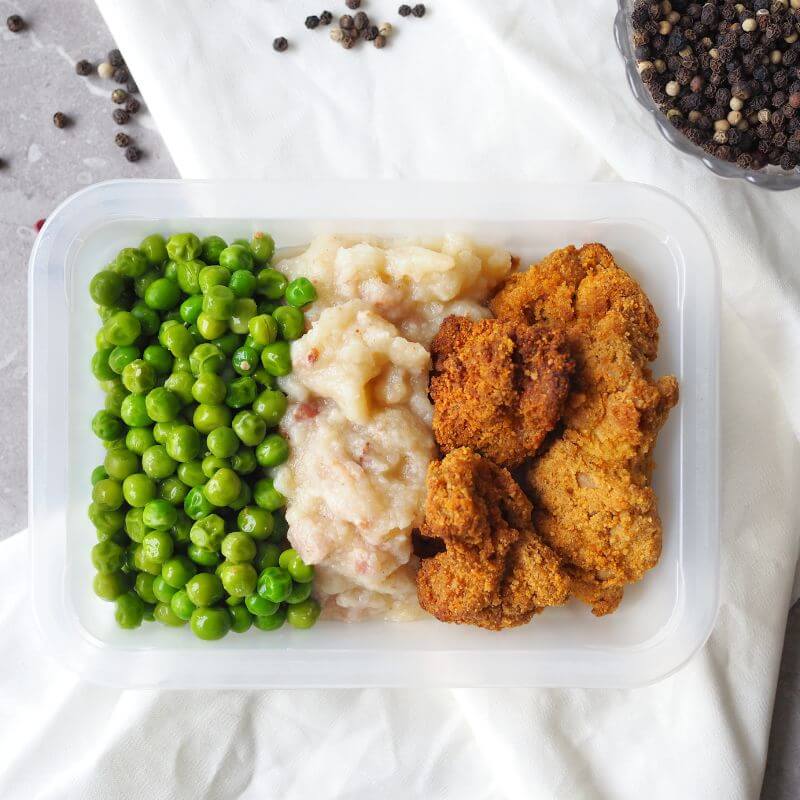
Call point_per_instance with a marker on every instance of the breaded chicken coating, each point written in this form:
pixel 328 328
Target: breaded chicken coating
pixel 494 571
pixel 498 387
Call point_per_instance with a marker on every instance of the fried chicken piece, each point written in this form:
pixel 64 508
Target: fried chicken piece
pixel 498 387
pixel 494 571
pixel 594 503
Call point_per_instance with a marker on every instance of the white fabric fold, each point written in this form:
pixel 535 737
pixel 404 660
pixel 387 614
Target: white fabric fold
pixel 475 90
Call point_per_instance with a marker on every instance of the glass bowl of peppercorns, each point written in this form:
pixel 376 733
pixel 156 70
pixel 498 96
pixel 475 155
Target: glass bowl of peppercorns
pixel 721 79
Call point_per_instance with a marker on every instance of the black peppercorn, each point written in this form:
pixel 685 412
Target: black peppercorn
pixel 132 153
pixel 84 67
pixel 121 75
pixel 132 87
pixel 60 120
pixel 312 22
pixel 119 96
pixel 418 10
pixel 121 116
pixel 361 21
pixel 353 4
pixel 115 58
pixel 122 139
pixel 325 18
pixel 132 105
pixel 280 44
pixel 380 42
pixel 371 33
pixel 405 10
pixel 15 23
pixel 788 161
pixel 346 22
pixel 348 40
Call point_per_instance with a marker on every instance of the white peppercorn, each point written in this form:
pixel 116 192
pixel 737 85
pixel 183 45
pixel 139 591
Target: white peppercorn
pixel 105 70
pixel 735 117
pixel 722 125
pixel 776 57
pixel 764 115
pixel 665 27
pixel 385 29
pixel 660 65
pixel 641 66
pixel 791 38
pixel 736 104
pixel 749 25
pixel 337 34
pixel 673 88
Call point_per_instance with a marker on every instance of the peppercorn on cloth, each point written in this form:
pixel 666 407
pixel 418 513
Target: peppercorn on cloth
pixel 483 91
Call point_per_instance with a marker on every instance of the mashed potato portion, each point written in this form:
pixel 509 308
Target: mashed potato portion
pixel 359 421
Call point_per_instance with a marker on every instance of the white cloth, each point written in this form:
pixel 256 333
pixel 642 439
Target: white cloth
pixel 475 90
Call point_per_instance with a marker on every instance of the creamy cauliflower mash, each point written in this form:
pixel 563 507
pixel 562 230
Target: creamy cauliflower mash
pixel 359 421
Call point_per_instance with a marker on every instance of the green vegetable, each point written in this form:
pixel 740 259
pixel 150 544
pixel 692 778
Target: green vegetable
pixel 183 247
pixel 275 584
pixel 300 292
pixel 210 623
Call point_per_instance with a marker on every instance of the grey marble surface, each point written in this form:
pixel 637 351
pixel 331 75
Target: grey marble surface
pixel 45 165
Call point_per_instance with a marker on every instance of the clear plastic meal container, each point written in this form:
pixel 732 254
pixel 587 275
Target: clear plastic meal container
pixel 662 621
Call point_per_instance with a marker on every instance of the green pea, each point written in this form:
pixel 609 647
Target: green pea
pixel 161 589
pixel 209 389
pixel 147 615
pixel 304 614
pixel 190 309
pixel 131 262
pixel 148 319
pixel 212 248
pixel 134 524
pixel 236 257
pixel 98 473
pixel 176 338
pixel 300 292
pixel 181 605
pixel 241 392
pixel 163 430
pixel 267 306
pixel 209 327
pixel 242 499
pixel 129 611
pixel 222 442
pixel 177 571
pixel 144 587
pixel 110 585
pixel 291 322
pixel 141 283
pixel 183 443
pixel 267 496
pixel 204 589
pixel 180 383
pixel 213 276
pixel 188 276
pixel 107 556
pixel 272 451
pixel 191 473
pixel 208 417
pixel 268 555
pixel 120 463
pixel 107 493
pixel 244 309
pixel 218 302
pixel 196 505
pixel 249 427
pixel 227 343
pixel 212 463
pixel 243 461
pixel 274 584
pixel 114 398
pixel 138 490
pixel 134 412
pixel 159 515
pixel 271 284
pixel 263 329
pixel 154 248
pixel 164 614
pixel 205 358
pixel 174 491
pixel 256 522
pixel 108 522
pixel 238 580
pixel 162 405
pixel 208 532
pixel 262 246
pixel 183 247
pixel 223 488
pixel 291 561
pixel 157 546
pixel 238 547
pixel 240 619
pixel 106 312
pixel 210 624
pixel 242 283
pixel 245 361
pixel 115 444
pixel 272 622
pixel 121 356
pixel 276 359
pixel 122 328
pixel 100 366
pixel 182 527
pixel 162 294
pixel 203 556
pixel 299 593
pixel 106 287
pixel 139 377
pixel 159 358
pixel 259 606
pixel 156 463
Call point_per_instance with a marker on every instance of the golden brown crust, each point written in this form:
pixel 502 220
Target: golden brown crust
pixel 498 387
pixel 594 504
pixel 494 572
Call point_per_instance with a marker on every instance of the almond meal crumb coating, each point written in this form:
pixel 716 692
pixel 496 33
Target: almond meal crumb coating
pixel 498 387
pixel 591 488
pixel 495 571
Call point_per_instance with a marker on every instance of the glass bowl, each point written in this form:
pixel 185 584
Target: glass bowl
pixel 771 177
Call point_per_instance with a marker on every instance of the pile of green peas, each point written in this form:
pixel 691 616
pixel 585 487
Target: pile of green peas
pixel 190 527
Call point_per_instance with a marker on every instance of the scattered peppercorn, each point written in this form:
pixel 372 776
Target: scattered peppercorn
pixel 132 87
pixel 15 23
pixel 325 18
pixel 115 58
pixel 348 41
pixel 353 4
pixel 360 21
pixel 121 116
pixel 119 96
pixel 312 22
pixel 105 70
pixel 419 10
pixel 132 105
pixel 371 33
pixel 385 29
pixel 337 34
pixel 404 10
pixel 133 153
pixel 380 42
pixel 121 75
pixel 346 22
pixel 280 44
pixel 84 67
pixel 122 139
pixel 60 120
